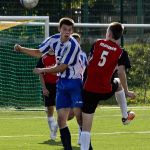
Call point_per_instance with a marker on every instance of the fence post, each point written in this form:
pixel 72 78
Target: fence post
pixel 121 19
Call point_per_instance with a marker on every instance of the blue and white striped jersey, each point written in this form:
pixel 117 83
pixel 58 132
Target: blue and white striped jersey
pixel 83 62
pixel 66 53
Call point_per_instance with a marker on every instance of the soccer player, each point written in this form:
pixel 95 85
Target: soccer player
pixel 105 57
pixel 48 82
pixel 84 62
pixel 69 85
pixel 83 56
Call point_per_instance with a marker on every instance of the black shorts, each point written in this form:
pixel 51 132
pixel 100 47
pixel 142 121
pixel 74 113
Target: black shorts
pixel 50 99
pixel 91 100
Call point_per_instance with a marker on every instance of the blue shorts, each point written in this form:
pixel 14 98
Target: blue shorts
pixel 68 93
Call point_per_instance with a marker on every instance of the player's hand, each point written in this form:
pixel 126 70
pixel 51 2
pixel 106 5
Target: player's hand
pixel 37 70
pixel 45 92
pixel 17 48
pixel 130 94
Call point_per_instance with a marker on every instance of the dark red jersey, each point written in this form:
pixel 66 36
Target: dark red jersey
pixel 45 61
pixel 101 66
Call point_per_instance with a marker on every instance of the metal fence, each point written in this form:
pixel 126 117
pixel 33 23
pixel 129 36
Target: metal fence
pixel 95 11
pixel 101 11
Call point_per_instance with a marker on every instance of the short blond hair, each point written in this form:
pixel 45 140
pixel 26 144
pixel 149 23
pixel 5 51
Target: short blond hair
pixel 76 35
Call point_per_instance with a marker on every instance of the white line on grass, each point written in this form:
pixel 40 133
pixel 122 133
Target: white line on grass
pixel 99 107
pixel 95 116
pixel 129 107
pixel 100 133
pixel 21 118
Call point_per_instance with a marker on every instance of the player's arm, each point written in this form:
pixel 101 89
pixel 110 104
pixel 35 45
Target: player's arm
pixel 122 76
pixel 44 89
pixel 28 51
pixel 123 80
pixel 40 64
pixel 55 69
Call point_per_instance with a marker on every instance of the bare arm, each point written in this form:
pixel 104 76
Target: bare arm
pixel 55 69
pixel 123 79
pixel 44 89
pixel 42 81
pixel 28 51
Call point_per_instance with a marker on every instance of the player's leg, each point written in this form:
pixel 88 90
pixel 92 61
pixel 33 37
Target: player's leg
pixel 50 107
pixel 90 102
pixel 76 98
pixel 63 105
pixel 64 130
pixel 70 117
pixel 53 126
pixel 71 114
pixel 85 137
pixel 78 115
pixel 127 116
pixel 121 99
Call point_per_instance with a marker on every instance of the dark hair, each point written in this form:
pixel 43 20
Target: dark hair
pixel 76 35
pixel 117 30
pixel 66 21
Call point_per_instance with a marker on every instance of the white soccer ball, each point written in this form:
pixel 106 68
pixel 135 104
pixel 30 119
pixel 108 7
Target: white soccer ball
pixel 29 3
pixel 131 115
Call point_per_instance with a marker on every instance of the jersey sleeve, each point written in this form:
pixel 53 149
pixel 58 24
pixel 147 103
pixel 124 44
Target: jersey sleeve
pixel 40 63
pixel 91 50
pixel 84 59
pixel 45 45
pixel 124 60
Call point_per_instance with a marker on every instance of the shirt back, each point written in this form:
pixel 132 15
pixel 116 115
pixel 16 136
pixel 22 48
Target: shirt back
pixel 101 66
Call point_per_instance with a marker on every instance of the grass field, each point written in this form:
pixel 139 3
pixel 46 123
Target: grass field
pixel 28 130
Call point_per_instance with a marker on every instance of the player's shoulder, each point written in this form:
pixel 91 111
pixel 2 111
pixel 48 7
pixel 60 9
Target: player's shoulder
pixel 98 40
pixel 55 36
pixel 83 53
pixel 124 51
pixel 125 54
pixel 48 40
pixel 72 40
pixel 72 43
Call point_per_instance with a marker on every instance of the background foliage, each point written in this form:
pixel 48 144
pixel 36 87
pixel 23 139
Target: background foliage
pixel 136 40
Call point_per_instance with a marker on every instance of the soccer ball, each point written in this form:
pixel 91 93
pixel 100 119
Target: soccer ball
pixel 29 3
pixel 131 115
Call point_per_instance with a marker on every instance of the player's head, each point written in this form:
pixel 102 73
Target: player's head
pixel 77 37
pixel 66 27
pixel 114 31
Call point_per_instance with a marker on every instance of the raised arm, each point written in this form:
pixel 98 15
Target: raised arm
pixel 28 51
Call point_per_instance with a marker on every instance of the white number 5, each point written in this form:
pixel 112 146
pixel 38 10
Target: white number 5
pixel 103 59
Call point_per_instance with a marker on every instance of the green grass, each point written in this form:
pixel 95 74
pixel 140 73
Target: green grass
pixel 28 130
